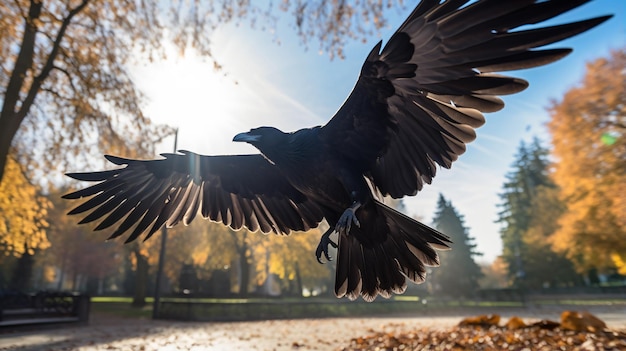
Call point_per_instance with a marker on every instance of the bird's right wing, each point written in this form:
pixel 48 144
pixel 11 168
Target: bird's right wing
pixel 239 191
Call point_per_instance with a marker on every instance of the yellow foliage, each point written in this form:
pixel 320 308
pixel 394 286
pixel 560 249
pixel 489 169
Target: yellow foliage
pixel 620 263
pixel 212 246
pixel 22 213
pixel 49 274
pixel 589 136
pixel 203 244
pixel 288 256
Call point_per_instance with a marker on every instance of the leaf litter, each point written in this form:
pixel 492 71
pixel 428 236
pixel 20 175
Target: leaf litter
pixel 575 331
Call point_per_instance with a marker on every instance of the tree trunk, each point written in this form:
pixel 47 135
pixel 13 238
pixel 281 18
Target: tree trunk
pixel 62 273
pixel 75 281
pixel 244 266
pixel 23 272
pixel 298 281
pixel 11 117
pixel 141 280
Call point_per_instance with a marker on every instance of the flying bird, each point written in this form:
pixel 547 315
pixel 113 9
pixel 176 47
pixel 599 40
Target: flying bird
pixel 415 106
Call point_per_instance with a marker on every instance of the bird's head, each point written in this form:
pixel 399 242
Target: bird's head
pixel 267 139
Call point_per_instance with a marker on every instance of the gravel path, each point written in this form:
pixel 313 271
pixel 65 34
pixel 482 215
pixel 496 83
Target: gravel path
pixel 302 334
pixel 109 333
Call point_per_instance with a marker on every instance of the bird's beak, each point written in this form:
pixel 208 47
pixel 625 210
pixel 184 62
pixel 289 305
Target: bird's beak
pixel 246 137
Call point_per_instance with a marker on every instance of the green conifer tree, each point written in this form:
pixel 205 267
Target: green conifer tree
pixel 529 215
pixel 458 274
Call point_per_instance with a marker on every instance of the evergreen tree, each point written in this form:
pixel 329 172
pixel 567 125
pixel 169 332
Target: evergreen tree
pixel 530 211
pixel 459 273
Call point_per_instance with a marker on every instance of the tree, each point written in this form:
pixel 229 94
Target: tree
pixel 530 208
pixel 588 128
pixel 23 225
pixel 65 69
pixel 204 246
pixel 291 259
pixel 544 266
pixel 78 253
pixel 65 77
pixel 23 212
pixel 459 273
pixel 494 274
pixel 207 247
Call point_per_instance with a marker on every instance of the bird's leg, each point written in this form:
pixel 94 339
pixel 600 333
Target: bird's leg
pixel 322 247
pixel 348 218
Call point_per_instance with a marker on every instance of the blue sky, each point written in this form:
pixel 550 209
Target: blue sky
pixel 290 88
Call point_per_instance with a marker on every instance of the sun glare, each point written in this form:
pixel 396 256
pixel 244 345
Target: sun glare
pixel 207 106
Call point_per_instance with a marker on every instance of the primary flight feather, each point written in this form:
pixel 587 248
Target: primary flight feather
pixel 415 105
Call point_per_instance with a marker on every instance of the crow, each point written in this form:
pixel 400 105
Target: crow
pixel 415 106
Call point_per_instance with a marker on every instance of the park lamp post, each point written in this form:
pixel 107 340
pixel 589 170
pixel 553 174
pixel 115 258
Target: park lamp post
pixel 157 290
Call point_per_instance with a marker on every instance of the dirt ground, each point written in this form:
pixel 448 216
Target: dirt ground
pixel 113 333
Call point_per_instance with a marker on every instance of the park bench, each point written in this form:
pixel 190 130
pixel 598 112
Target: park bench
pixel 44 307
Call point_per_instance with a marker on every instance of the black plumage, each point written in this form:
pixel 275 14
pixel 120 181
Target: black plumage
pixel 414 107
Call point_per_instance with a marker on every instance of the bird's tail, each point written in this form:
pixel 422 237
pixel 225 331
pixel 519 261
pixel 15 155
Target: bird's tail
pixel 388 247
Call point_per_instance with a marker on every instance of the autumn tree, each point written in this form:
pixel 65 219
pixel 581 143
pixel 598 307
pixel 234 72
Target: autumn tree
pixel 23 213
pixel 23 224
pixel 255 255
pixel 291 258
pixel 495 275
pixel 65 74
pixel 530 208
pixel 204 247
pixel 79 254
pixel 458 274
pixel 588 127
pixel 64 81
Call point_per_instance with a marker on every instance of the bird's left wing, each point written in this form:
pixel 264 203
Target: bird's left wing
pixel 238 190
pixel 418 100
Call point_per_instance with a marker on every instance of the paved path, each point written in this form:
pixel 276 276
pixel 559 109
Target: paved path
pixel 108 333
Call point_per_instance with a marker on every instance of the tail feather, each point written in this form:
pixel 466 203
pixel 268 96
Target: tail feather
pixel 348 276
pixel 436 239
pixel 377 257
pixel 388 275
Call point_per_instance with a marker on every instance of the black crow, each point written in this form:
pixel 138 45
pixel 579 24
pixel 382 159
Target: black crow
pixel 415 105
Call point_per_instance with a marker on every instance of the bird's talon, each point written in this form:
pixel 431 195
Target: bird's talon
pixel 332 243
pixel 322 247
pixel 344 224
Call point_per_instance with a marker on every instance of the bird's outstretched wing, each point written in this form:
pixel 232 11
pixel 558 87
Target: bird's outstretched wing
pixel 417 102
pixel 242 190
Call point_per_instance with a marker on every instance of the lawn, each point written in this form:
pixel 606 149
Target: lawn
pixel 294 308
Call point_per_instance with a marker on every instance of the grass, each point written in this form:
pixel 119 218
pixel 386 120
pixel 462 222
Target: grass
pixel 261 308
pixel 121 309
pixel 117 299
pixel 592 302
pixel 256 308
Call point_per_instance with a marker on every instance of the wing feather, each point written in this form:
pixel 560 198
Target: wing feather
pixel 420 96
pixel 239 191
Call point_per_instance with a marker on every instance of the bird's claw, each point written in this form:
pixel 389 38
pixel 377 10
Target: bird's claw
pixel 344 224
pixel 322 247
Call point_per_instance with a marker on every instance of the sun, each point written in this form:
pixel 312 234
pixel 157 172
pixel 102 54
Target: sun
pixel 208 106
